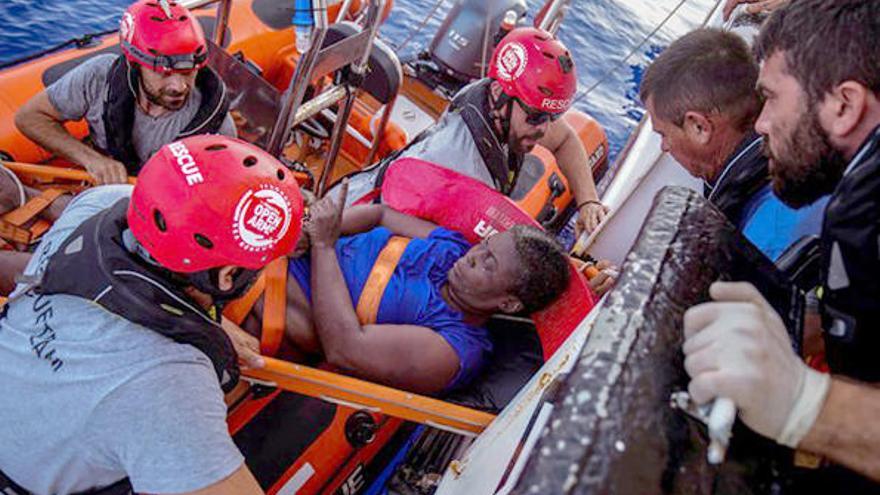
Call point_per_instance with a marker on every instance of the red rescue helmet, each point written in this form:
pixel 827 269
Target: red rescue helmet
pixel 535 68
pixel 209 201
pixel 162 36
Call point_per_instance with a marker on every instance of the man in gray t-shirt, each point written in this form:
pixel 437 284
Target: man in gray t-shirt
pixel 112 366
pixel 157 91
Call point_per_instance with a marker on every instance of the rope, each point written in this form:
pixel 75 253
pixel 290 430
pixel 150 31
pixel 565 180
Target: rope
pixel 632 52
pixel 418 29
pixel 82 42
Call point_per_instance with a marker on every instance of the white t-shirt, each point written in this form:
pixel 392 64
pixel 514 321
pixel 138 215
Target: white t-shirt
pixel 90 398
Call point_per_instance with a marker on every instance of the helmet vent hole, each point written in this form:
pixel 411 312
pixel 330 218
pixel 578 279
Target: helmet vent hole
pixel 548 55
pixel 566 63
pixel 250 161
pixel 159 220
pixel 181 18
pixel 545 91
pixel 203 241
pixel 156 18
pixel 153 4
pixel 216 147
pixel 154 52
pixel 280 174
pixel 542 36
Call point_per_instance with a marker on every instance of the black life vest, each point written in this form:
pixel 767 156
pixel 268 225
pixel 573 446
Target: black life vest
pixel 121 99
pixel 474 107
pixel 850 267
pixel 744 174
pixel 94 263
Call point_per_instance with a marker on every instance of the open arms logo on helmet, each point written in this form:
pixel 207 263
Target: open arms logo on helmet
pixel 512 61
pixel 261 218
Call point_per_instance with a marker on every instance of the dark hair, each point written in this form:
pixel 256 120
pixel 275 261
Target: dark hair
pixel 825 43
pixel 707 70
pixel 545 273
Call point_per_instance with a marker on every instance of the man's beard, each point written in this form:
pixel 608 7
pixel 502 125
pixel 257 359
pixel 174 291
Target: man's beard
pixel 806 165
pixel 520 146
pixel 162 98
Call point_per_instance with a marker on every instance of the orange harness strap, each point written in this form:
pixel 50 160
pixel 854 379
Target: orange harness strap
pixel 11 225
pixel 236 311
pixel 272 284
pixel 274 306
pixel 380 275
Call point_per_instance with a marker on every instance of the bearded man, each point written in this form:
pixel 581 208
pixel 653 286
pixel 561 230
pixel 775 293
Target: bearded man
pixel 157 91
pixel 820 81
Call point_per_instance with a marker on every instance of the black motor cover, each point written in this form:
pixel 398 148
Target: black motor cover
pixel 457 46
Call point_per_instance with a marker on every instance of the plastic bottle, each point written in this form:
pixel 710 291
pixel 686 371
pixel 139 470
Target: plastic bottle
pixel 508 22
pixel 302 25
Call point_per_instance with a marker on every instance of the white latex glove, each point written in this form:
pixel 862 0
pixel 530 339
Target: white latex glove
pixel 737 347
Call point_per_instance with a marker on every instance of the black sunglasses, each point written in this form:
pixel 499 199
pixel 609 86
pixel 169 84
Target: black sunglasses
pixel 537 117
pixel 180 62
pixel 168 63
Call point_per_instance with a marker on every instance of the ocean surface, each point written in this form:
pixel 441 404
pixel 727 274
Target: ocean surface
pixel 600 34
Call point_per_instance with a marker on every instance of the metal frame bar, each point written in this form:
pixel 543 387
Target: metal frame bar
pixel 373 18
pixel 223 9
pixel 553 18
pixel 300 81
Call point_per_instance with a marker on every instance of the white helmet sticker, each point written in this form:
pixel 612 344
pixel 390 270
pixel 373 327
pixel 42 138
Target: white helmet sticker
pixel 126 27
pixel 261 218
pixel 512 61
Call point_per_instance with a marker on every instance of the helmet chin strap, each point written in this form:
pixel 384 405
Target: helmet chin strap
pixel 505 101
pixel 208 281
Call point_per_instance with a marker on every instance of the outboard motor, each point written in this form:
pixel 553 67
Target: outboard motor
pixel 457 46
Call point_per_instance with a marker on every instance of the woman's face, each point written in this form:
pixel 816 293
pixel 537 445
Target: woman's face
pixel 485 276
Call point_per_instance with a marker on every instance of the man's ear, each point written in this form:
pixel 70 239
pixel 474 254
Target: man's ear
pixel 226 277
pixel 511 305
pixel 843 108
pixel 698 127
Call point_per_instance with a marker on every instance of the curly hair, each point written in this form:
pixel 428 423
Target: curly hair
pixel 545 273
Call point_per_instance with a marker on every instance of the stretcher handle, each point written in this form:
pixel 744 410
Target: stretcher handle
pixel 49 173
pixel 390 401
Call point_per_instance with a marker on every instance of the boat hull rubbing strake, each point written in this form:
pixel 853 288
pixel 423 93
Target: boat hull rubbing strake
pixel 612 429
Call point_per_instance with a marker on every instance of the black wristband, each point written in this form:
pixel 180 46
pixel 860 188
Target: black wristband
pixel 589 201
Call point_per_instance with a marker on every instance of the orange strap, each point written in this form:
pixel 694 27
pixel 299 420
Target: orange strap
pixel 274 306
pixel 380 275
pixel 272 284
pixel 11 225
pixel 236 311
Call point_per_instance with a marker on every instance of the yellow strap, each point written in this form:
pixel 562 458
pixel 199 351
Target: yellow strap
pixel 380 275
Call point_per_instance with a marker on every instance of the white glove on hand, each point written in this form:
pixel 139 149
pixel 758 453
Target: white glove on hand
pixel 737 347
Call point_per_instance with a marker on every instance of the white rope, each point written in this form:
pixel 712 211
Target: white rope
pixel 22 196
pixel 632 52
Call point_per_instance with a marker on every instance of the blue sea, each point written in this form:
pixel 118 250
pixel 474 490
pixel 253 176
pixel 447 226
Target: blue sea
pixel 600 34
